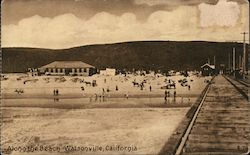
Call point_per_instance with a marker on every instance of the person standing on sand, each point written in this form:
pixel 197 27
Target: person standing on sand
pixel 189 87
pixel 100 97
pixel 166 95
pixel 54 92
pixel 103 97
pixel 95 97
pixel 116 88
pixel 142 86
pixel 57 92
pixel 174 95
pixel 90 98
pixel 127 95
pixel 103 94
pixel 150 88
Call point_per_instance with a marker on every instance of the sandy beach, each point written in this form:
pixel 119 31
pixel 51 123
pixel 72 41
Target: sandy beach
pixel 139 123
pixel 146 129
pixel 73 87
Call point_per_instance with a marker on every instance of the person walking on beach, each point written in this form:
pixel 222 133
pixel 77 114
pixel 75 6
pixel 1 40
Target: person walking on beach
pixel 96 97
pixel 103 97
pixel 150 88
pixel 174 95
pixel 103 94
pixel 57 92
pixel 142 86
pixel 166 95
pixel 90 98
pixel 82 88
pixel 127 95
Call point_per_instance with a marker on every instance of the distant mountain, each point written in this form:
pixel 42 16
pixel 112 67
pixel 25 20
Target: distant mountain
pixel 154 55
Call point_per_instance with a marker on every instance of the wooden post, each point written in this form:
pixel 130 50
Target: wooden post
pixel 234 61
pixel 244 61
pixel 214 61
pixel 239 61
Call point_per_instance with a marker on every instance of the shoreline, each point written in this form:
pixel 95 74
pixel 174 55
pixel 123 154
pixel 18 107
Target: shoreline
pixel 117 101
pixel 78 96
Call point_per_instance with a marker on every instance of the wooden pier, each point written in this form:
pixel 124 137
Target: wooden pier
pixel 220 123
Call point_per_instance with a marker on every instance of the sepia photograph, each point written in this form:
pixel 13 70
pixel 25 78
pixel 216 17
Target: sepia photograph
pixel 125 77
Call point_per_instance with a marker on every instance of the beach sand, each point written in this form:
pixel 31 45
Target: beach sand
pixel 71 87
pixel 143 128
pixel 142 123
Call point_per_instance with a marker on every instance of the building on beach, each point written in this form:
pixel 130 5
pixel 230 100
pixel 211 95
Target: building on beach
pixel 67 68
pixel 208 70
pixel 108 72
pixel 33 71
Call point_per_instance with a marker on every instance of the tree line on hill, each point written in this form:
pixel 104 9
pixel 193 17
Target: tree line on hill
pixel 139 55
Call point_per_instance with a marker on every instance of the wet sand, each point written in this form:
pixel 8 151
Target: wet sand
pixel 85 103
pixel 144 128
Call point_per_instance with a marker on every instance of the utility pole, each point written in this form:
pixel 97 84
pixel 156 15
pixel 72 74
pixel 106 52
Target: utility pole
pixel 214 61
pixel 229 63
pixel 244 54
pixel 215 65
pixel 240 62
pixel 234 61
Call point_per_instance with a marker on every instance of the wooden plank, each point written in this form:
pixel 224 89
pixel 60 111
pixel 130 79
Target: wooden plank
pixel 218 138
pixel 216 121
pixel 192 146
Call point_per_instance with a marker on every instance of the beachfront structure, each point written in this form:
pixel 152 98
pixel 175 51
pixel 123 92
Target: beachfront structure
pixel 207 69
pixel 33 71
pixel 108 72
pixel 68 68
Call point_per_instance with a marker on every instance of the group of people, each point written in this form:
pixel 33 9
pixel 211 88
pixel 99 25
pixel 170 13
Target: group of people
pixel 19 91
pixel 167 94
pixel 96 96
pixel 56 92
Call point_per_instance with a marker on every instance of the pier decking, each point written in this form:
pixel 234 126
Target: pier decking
pixel 220 124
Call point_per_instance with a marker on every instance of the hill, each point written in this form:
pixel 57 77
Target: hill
pixel 164 55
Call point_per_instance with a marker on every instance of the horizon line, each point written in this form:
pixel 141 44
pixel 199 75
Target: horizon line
pixel 226 41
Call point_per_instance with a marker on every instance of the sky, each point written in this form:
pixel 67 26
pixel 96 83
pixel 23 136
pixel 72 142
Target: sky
pixel 58 24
